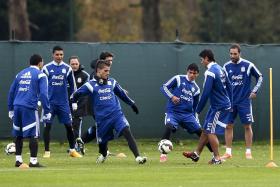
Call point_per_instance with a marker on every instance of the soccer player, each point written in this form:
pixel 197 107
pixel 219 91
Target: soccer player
pixel 182 93
pixel 60 75
pixel 107 110
pixel 81 77
pixel 29 86
pixel 240 73
pixel 218 88
pixel 90 134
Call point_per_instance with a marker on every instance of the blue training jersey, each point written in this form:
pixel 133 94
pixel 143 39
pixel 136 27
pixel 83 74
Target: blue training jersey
pixel 104 98
pixel 29 85
pixel 60 76
pixel 181 87
pixel 217 87
pixel 240 75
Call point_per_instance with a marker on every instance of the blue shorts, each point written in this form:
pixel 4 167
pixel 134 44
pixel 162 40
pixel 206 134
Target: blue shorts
pixel 186 121
pixel 216 121
pixel 245 113
pixel 63 113
pixel 105 129
pixel 25 122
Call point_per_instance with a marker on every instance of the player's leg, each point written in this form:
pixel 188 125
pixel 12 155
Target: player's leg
pixel 229 133
pixel 47 132
pixel 89 135
pixel 17 133
pixel 47 137
pixel 65 117
pixel 198 133
pixel 19 144
pixel 121 127
pixel 76 124
pixel 103 148
pixel 246 118
pixel 248 140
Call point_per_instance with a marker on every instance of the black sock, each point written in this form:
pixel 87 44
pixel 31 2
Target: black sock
pixel 103 148
pixel 89 135
pixel 33 147
pixel 198 133
pixel 131 141
pixel 46 135
pixel 70 135
pixel 167 133
pixel 19 144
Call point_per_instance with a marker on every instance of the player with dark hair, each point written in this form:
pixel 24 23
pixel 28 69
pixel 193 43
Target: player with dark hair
pixel 218 88
pixel 60 75
pixel 240 72
pixel 90 134
pixel 81 77
pixel 29 86
pixel 182 93
pixel 107 110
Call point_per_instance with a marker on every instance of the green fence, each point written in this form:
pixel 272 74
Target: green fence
pixel 141 68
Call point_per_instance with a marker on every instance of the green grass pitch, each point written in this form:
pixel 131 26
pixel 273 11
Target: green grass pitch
pixel 64 171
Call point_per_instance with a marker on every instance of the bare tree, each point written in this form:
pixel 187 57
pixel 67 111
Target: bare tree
pixel 151 20
pixel 18 19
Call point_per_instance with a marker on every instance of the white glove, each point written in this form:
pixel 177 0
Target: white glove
pixel 74 106
pixel 47 116
pixel 11 114
pixel 39 103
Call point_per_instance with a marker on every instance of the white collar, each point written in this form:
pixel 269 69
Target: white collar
pixel 210 65
pixel 188 79
pixel 57 64
pixel 36 67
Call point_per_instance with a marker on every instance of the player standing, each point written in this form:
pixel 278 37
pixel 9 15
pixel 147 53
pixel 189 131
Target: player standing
pixel 60 75
pixel 29 86
pixel 240 72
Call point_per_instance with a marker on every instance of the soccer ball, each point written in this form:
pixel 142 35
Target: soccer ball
pixel 165 146
pixel 10 148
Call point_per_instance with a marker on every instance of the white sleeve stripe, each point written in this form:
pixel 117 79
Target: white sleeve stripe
pixel 69 71
pixel 114 84
pixel 90 88
pixel 210 74
pixel 167 91
pixel 196 93
pixel 258 85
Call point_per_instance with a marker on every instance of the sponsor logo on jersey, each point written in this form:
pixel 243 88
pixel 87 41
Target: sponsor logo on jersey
pixel 79 80
pixel 26 75
pixel 106 90
pixel 24 81
pixel 58 77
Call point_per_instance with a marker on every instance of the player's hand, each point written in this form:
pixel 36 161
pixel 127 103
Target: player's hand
pixel 74 106
pixel 175 100
pixel 11 114
pixel 253 95
pixel 135 109
pixel 47 116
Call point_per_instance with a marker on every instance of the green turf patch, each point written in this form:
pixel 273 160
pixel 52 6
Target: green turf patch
pixel 63 170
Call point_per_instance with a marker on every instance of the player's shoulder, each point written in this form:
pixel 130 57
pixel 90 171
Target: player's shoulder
pixel 228 63
pixel 244 61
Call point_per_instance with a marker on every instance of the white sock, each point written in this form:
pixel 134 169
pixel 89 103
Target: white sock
pixel 248 150
pixel 33 160
pixel 71 150
pixel 228 150
pixel 19 158
pixel 196 153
